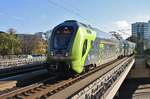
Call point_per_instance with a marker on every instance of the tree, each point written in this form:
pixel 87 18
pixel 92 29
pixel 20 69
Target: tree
pixel 9 44
pixel 14 44
pixel 40 46
pixel 12 31
pixel 27 44
pixel 3 44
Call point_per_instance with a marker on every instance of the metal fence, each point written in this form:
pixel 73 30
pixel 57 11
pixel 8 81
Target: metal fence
pixel 13 57
pixel 19 61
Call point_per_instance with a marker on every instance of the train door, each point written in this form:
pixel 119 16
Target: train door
pixel 101 51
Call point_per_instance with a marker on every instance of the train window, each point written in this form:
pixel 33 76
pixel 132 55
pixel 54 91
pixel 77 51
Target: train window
pixel 62 37
pixel 92 43
pixel 84 47
pixel 64 30
pixel 101 45
pixel 88 31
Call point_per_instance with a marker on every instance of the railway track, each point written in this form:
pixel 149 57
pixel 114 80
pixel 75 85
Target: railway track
pixel 23 91
pixel 45 89
pixel 22 80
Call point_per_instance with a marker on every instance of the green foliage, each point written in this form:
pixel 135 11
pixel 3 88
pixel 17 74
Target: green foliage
pixel 40 47
pixel 9 44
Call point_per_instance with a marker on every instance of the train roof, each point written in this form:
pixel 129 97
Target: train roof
pixel 100 34
pixel 104 35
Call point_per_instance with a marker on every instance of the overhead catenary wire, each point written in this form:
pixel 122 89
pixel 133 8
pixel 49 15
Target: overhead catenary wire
pixel 90 21
pixel 121 31
pixel 68 10
pixel 77 12
pixel 71 6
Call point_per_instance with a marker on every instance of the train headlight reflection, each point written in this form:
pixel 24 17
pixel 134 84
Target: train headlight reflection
pixel 52 53
pixel 66 54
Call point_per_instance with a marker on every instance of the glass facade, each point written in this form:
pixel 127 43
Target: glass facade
pixel 141 31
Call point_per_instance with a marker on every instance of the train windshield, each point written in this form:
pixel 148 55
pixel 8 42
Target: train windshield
pixel 62 37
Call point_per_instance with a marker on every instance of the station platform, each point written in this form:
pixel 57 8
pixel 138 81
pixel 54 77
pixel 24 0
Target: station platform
pixel 135 88
pixel 137 83
pixel 140 69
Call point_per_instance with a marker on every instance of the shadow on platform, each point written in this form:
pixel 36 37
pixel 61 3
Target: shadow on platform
pixel 130 87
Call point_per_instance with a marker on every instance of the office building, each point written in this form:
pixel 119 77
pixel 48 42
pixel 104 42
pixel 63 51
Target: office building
pixel 141 31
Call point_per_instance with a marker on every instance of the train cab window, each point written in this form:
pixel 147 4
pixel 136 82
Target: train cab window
pixel 84 47
pixel 62 37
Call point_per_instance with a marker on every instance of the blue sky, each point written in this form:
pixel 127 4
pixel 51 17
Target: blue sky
pixel 30 16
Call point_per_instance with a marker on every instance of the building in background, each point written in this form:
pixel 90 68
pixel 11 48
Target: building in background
pixel 48 34
pixel 148 35
pixel 26 43
pixel 40 35
pixel 33 43
pixel 141 33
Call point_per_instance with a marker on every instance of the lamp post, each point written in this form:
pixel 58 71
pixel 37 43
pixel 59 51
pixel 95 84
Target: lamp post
pixel 12 49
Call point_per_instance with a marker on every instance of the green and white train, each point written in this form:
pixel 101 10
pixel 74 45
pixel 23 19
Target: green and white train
pixel 74 46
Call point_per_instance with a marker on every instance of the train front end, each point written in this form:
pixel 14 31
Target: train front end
pixel 60 47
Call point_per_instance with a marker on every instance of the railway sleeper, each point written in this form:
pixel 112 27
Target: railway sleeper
pixel 17 97
pixel 27 93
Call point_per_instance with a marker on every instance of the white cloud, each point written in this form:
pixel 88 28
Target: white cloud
pixel 122 24
pixel 125 24
pixel 123 27
pixel 139 18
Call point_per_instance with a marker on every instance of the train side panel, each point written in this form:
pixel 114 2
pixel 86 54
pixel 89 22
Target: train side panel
pixel 81 47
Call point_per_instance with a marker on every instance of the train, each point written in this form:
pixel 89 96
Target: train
pixel 77 47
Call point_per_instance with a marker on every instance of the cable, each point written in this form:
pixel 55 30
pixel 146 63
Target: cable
pixel 77 12
pixel 71 11
pixel 72 6
pixel 122 31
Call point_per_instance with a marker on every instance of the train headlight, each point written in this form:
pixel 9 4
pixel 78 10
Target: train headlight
pixel 66 54
pixel 52 53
